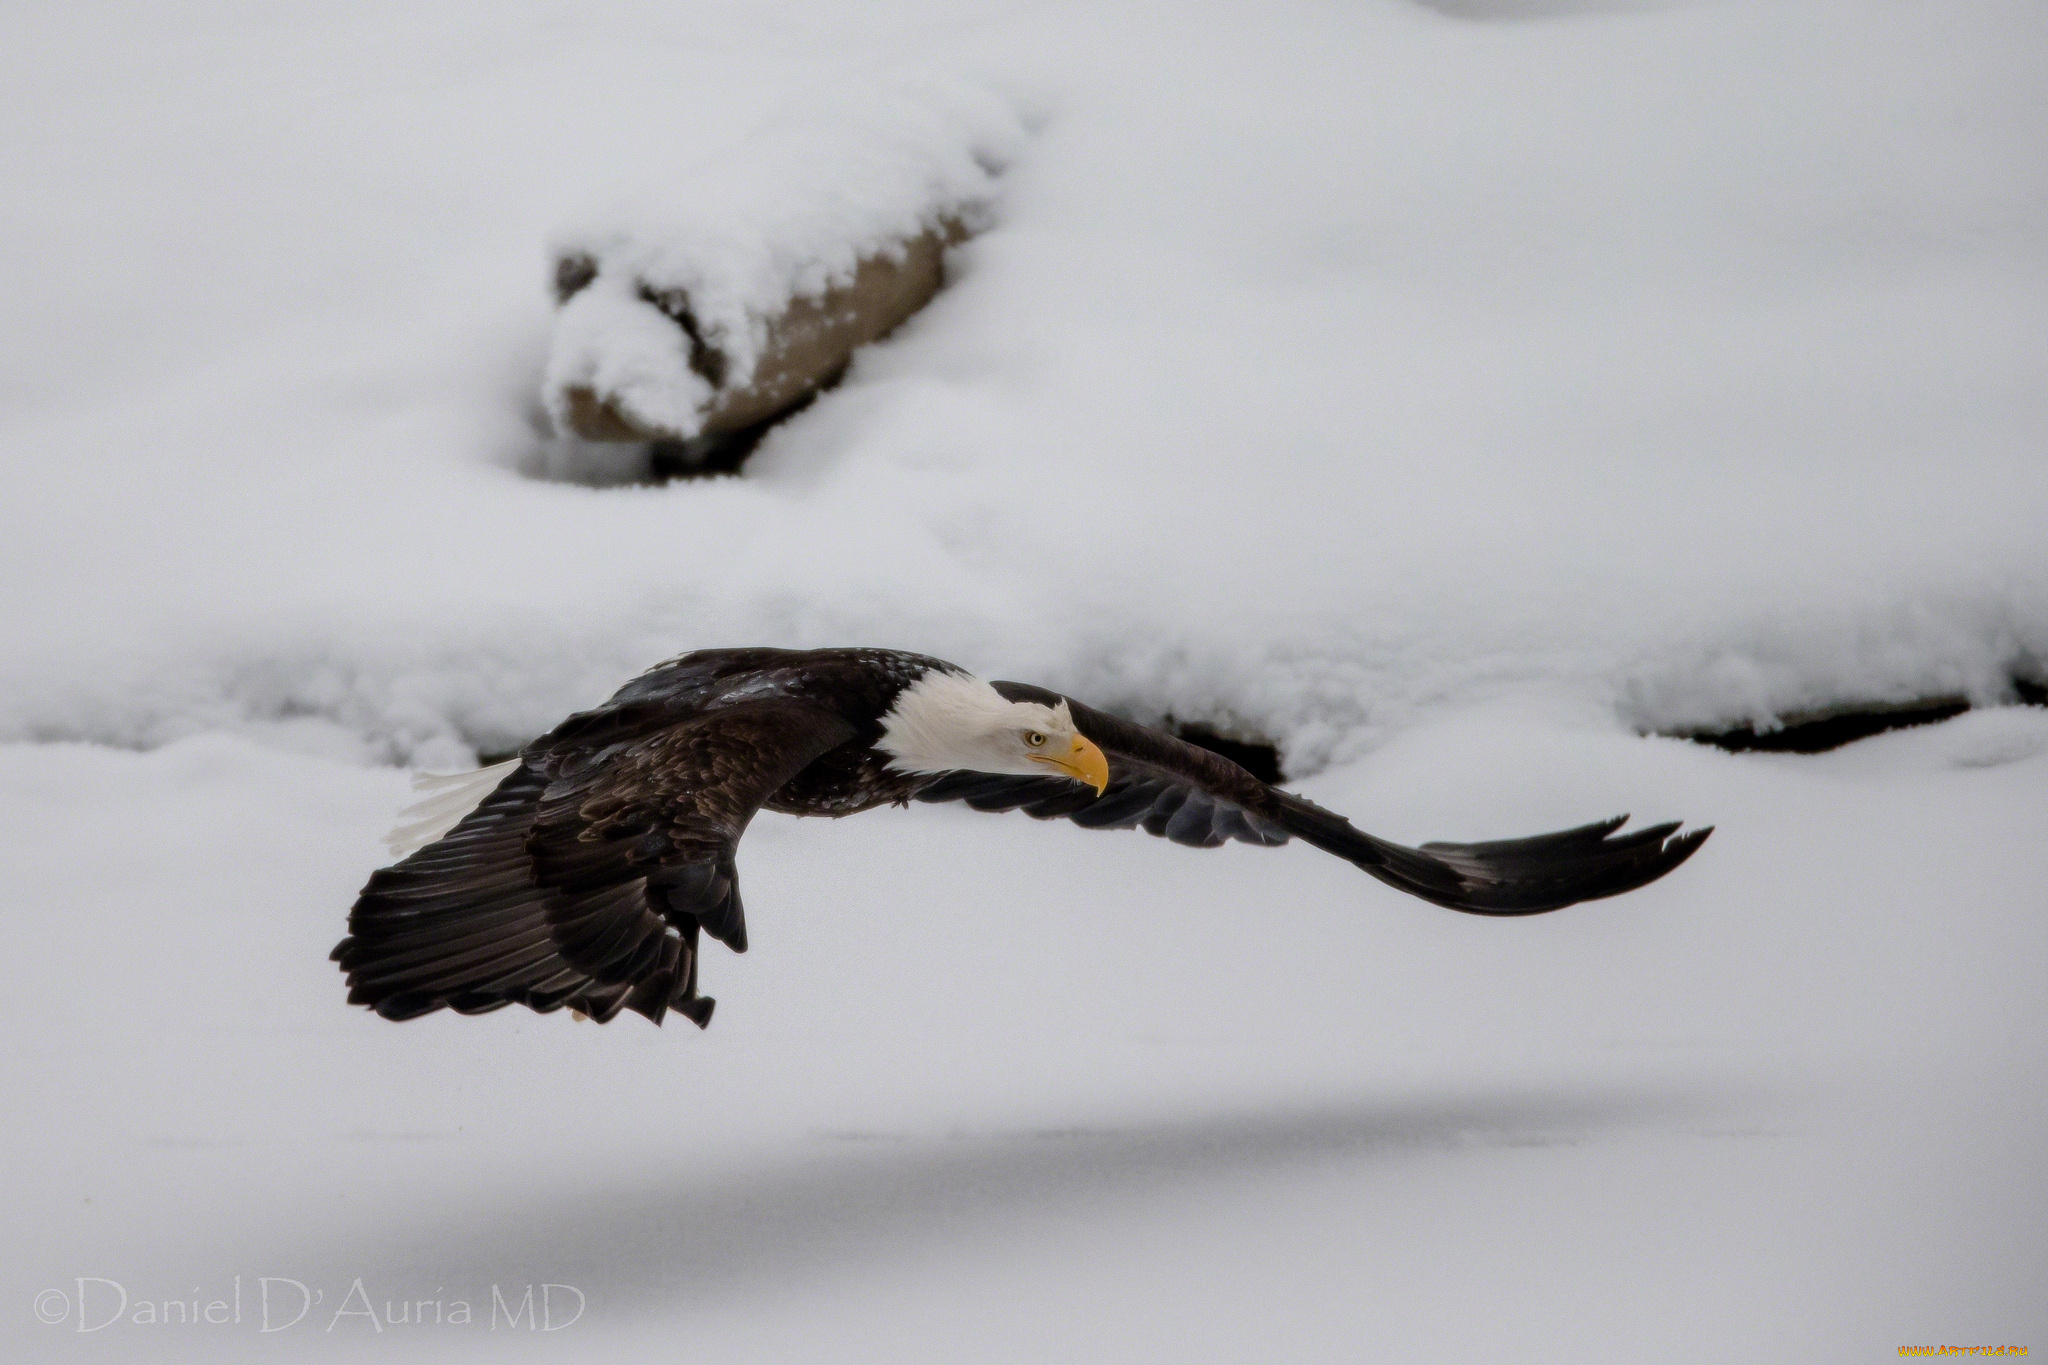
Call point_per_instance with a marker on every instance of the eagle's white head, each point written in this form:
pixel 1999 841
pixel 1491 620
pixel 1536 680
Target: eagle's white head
pixel 946 721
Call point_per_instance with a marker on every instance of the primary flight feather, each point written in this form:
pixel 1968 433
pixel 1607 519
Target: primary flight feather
pixel 584 872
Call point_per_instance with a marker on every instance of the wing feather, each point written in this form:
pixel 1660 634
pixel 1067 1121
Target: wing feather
pixel 1191 796
pixel 584 878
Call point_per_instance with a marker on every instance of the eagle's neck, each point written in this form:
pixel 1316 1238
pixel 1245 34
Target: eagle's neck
pixel 942 722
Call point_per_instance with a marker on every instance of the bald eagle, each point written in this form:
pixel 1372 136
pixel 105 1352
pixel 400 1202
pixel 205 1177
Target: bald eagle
pixel 582 872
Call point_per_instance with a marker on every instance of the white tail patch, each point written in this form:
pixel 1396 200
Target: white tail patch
pixel 454 796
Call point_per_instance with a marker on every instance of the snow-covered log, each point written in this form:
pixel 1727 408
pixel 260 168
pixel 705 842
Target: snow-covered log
pixel 750 285
pixel 804 347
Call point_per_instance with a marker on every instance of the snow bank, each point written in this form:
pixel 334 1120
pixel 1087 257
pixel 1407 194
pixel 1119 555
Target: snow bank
pixel 1323 375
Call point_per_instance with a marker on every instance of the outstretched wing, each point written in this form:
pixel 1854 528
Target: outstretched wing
pixel 1187 794
pixel 1164 785
pixel 585 878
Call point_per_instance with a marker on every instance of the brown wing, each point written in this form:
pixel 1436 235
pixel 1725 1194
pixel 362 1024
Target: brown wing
pixel 1187 794
pixel 585 878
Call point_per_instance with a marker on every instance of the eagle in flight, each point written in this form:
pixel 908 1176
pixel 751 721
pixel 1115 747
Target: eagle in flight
pixel 583 872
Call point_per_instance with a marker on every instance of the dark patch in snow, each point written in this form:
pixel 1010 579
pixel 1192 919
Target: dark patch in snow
pixel 573 274
pixel 1817 733
pixel 1259 757
pixel 712 456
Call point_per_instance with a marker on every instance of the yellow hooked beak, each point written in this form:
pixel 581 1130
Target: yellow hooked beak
pixel 1083 762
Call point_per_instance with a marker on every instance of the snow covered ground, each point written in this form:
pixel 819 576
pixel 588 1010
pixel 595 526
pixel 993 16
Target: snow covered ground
pixel 1449 394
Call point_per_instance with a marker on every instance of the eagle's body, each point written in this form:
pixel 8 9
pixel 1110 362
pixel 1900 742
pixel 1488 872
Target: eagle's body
pixel 583 872
pixel 856 686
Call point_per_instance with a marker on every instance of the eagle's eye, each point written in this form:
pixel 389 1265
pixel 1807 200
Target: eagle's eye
pixel 1035 739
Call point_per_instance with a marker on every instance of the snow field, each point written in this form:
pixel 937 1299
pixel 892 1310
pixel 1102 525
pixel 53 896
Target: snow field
pixel 1028 1090
pixel 1448 401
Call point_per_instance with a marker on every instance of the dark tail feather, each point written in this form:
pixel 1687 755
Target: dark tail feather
pixel 1507 876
